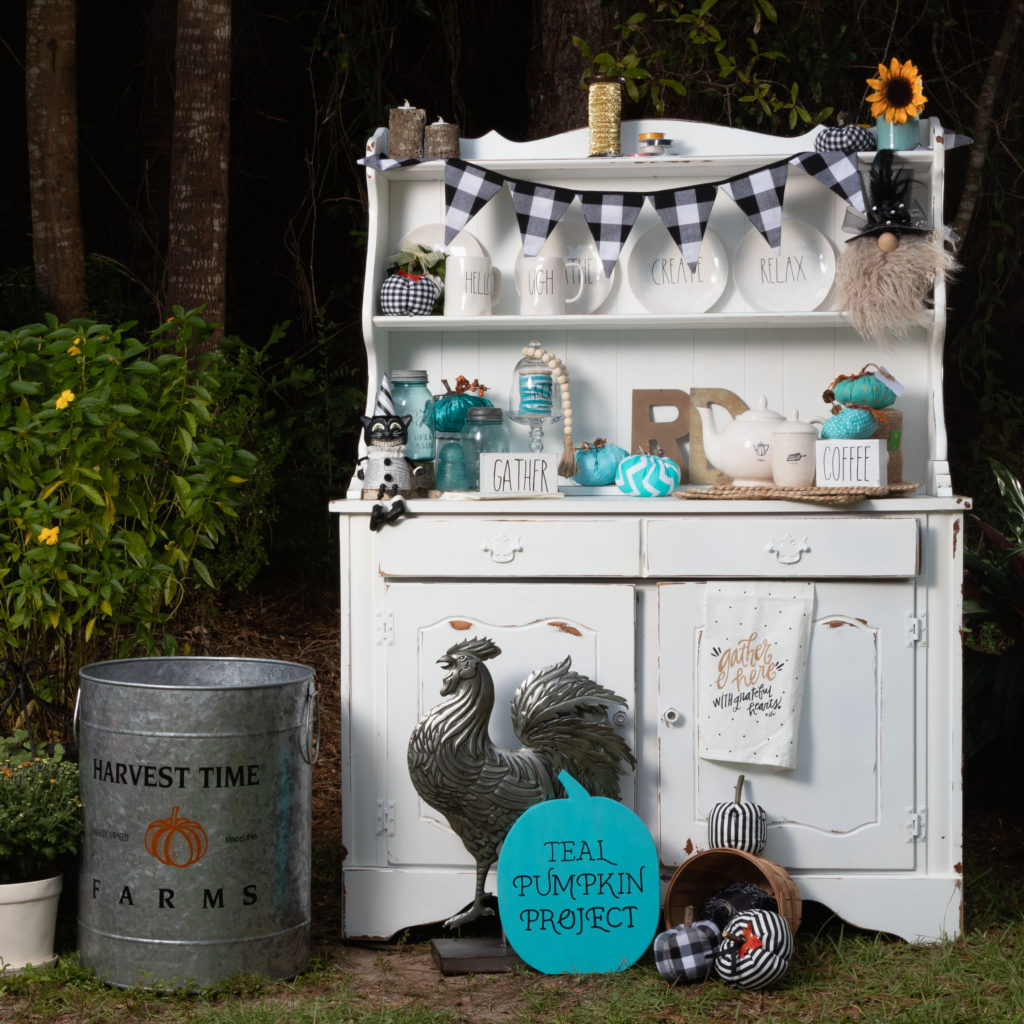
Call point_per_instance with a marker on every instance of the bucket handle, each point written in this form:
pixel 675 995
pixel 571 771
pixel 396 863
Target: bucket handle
pixel 76 716
pixel 311 751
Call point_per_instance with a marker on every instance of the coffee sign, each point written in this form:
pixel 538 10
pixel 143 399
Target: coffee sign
pixel 578 885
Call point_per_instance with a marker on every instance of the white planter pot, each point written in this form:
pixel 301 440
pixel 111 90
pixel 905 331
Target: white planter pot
pixel 28 921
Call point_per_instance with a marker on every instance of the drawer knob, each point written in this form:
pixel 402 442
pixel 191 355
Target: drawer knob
pixel 502 549
pixel 671 717
pixel 788 550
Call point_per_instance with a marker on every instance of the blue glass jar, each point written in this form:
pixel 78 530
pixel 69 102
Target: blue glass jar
pixel 412 398
pixel 485 431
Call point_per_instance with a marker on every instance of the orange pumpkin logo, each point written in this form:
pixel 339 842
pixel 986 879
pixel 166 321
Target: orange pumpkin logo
pixel 176 841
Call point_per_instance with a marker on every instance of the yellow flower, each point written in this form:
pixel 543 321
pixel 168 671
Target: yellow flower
pixel 49 535
pixel 898 92
pixel 65 399
pixel 73 349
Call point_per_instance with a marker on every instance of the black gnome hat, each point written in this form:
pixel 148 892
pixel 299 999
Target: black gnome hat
pixel 889 207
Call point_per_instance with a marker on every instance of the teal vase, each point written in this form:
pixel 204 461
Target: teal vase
pixel 893 135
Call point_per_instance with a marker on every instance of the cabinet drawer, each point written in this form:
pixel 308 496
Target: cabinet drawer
pixel 749 546
pixel 461 546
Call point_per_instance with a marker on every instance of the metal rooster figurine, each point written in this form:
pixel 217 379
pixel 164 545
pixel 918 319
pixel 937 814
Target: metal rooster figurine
pixel 560 717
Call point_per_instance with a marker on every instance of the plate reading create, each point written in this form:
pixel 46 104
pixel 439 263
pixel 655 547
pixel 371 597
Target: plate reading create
pixel 663 283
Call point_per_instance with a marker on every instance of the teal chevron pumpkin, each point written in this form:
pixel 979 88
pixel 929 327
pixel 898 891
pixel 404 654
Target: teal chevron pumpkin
pixel 850 425
pixel 865 389
pixel 647 475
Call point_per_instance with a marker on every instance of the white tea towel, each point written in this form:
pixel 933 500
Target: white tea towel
pixel 751 661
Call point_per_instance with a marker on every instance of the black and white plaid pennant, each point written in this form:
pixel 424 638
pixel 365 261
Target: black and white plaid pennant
pixel 538 209
pixel 837 171
pixel 610 217
pixel 951 140
pixel 759 194
pixel 686 212
pixel 467 188
pixel 386 163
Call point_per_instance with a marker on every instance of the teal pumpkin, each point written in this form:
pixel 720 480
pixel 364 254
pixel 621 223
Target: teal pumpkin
pixel 647 476
pixel 866 389
pixel 596 463
pixel 578 884
pixel 850 425
pixel 448 412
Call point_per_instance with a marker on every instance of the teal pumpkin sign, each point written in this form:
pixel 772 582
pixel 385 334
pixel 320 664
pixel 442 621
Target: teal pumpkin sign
pixel 578 885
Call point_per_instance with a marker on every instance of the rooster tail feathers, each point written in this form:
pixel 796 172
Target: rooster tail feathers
pixel 564 716
pixel 557 692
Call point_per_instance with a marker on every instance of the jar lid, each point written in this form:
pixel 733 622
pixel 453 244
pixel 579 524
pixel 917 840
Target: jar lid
pixel 405 375
pixel 484 412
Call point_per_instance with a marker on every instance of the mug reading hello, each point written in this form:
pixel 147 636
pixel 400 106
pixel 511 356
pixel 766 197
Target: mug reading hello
pixel 470 286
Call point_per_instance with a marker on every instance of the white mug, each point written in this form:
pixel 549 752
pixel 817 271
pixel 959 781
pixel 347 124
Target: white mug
pixel 541 284
pixel 470 286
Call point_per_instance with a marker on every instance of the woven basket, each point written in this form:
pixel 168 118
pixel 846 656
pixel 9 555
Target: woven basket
pixel 709 871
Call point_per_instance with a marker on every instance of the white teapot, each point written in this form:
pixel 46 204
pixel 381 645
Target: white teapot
pixel 743 448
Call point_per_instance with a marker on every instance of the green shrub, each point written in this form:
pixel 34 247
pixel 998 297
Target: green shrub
pixel 119 477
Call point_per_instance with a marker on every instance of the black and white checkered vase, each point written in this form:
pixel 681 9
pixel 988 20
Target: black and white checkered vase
pixel 738 826
pixel 755 950
pixel 686 951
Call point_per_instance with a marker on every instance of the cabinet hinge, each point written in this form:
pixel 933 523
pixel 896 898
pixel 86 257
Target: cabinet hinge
pixel 385 817
pixel 917 824
pixel 916 630
pixel 385 627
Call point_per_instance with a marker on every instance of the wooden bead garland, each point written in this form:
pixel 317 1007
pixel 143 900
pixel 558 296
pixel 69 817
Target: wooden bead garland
pixel 567 464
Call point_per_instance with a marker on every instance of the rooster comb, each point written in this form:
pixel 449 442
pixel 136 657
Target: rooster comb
pixel 480 647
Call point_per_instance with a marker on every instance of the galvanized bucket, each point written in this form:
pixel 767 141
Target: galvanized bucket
pixel 196 782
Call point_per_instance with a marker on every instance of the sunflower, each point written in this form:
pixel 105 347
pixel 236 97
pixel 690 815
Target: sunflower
pixel 897 92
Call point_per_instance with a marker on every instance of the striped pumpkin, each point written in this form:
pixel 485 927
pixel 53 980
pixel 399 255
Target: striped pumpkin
pixel 738 824
pixel 755 950
pixel 647 476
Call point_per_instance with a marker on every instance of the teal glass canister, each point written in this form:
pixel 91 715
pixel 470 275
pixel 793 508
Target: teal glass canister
pixel 412 398
pixel 485 431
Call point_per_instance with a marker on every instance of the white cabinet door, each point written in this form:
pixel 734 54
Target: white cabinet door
pixel 535 625
pixel 848 800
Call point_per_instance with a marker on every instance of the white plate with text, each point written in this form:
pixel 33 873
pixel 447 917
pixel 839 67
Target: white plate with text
pixel 796 279
pixel 660 278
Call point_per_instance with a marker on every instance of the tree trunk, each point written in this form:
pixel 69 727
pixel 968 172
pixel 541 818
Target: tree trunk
pixel 51 104
pixel 198 204
pixel 557 103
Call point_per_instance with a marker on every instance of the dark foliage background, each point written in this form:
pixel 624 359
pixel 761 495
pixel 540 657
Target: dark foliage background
pixel 312 79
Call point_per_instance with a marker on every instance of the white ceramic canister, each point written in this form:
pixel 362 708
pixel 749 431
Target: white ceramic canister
pixel 793 452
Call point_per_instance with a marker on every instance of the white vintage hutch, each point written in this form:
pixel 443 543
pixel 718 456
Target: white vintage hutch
pixel 869 822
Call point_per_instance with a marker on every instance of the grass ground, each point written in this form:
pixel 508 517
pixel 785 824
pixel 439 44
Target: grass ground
pixel 838 973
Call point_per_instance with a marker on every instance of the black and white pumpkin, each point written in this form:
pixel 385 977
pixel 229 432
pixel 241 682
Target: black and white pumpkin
pixel 738 824
pixel 686 952
pixel 755 950
pixel 407 294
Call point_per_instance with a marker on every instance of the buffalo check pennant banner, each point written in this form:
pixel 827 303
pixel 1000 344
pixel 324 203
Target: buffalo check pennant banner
pixel 467 189
pixel 759 195
pixel 686 212
pixel 610 217
pixel 837 171
pixel 538 209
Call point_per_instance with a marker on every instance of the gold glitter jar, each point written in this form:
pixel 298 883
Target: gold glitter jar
pixel 605 115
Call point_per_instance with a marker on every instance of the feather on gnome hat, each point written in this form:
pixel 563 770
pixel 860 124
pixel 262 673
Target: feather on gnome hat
pixel 887 269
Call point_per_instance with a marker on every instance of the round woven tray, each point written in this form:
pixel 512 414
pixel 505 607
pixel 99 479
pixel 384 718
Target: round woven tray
pixel 705 873
pixel 820 495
